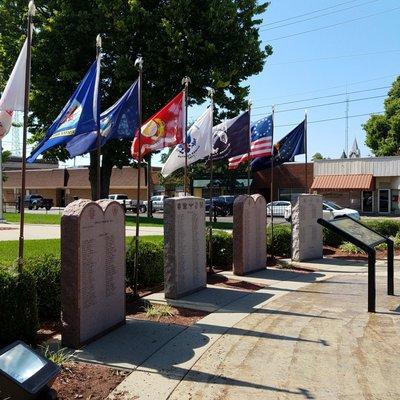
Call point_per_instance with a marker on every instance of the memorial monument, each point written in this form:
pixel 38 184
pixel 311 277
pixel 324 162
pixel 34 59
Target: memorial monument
pixel 184 246
pixel 306 232
pixel 92 270
pixel 249 234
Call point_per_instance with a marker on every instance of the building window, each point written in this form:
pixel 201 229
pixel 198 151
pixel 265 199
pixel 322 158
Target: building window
pixel 367 201
pixel 291 194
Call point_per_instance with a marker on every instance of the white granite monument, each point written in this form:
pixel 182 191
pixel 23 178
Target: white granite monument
pixel 184 246
pixel 92 270
pixel 306 232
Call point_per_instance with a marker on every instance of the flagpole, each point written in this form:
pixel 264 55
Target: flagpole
pixel 1 182
pixel 272 185
pixel 98 140
pixel 211 93
pixel 139 65
pixel 185 81
pixel 31 13
pixel 248 154
pixel 305 147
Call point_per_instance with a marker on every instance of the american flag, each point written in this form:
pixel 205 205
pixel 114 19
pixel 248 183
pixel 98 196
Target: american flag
pixel 260 143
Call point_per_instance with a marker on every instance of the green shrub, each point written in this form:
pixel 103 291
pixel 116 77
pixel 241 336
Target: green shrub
pixel 396 241
pixel 151 264
pixel 281 242
pixel 351 248
pixel 331 238
pixel 222 249
pixel 18 307
pixel 386 227
pixel 46 270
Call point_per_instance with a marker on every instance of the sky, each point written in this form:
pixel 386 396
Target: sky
pixel 349 46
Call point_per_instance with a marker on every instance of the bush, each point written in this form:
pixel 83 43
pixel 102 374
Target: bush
pixel 46 270
pixel 18 307
pixel 151 264
pixel 351 248
pixel 386 227
pixel 331 239
pixel 281 243
pixel 222 249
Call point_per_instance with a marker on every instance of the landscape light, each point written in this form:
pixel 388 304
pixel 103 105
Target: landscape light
pixel 24 374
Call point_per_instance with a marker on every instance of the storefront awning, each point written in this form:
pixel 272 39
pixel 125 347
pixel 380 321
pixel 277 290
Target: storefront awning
pixel 343 182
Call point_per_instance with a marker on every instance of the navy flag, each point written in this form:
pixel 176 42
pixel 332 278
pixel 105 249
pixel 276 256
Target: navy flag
pixel 80 115
pixel 120 121
pixel 289 146
pixel 231 137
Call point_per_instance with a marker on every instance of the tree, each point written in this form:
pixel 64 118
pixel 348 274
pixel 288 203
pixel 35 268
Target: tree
pixel 215 43
pixel 383 131
pixel 317 156
pixel 5 156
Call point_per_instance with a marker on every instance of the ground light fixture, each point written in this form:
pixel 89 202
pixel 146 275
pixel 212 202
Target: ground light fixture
pixel 24 374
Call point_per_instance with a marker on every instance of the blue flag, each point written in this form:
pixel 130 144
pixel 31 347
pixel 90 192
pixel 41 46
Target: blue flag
pixel 79 115
pixel 120 121
pixel 289 146
pixel 232 137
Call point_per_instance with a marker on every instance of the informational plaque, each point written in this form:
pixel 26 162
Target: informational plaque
pixel 92 270
pixel 185 246
pixel 357 230
pixel 249 235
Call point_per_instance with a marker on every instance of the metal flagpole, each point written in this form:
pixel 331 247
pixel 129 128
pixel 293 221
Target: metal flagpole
pixel 31 13
pixel 185 81
pixel 248 154
pixel 139 65
pixel 272 184
pixel 149 188
pixel 305 147
pixel 1 182
pixel 211 93
pixel 98 141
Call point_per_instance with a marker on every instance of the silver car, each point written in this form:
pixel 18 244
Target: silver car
pixel 158 202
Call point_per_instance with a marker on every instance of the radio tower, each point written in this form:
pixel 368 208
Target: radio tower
pixel 15 131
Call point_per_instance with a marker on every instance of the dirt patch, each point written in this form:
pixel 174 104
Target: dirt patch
pixel 87 381
pixel 220 280
pixel 333 252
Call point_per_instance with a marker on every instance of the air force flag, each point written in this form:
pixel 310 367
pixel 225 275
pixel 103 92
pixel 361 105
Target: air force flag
pixel 198 146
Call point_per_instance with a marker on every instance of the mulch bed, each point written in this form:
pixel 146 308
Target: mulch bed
pixel 333 252
pixel 220 280
pixel 87 381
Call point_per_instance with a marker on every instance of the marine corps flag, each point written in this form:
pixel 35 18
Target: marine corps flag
pixel 164 129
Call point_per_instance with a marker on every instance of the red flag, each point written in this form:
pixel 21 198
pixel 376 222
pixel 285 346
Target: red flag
pixel 164 129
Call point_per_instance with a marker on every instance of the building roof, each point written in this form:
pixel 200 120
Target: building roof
pixel 344 182
pixel 36 179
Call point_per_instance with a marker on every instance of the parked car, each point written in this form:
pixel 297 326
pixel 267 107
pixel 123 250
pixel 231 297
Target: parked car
pixel 36 201
pixel 219 210
pixel 278 208
pixel 226 202
pixel 158 202
pixel 330 210
pixel 129 205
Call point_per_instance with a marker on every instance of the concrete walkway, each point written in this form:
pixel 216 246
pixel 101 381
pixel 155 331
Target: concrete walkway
pixel 37 231
pixel 309 337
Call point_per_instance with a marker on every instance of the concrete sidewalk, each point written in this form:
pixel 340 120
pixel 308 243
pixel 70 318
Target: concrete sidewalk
pixel 37 231
pixel 308 337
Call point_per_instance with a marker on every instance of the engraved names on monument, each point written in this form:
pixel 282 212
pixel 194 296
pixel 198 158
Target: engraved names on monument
pixel 185 246
pixel 249 239
pixel 93 269
pixel 306 232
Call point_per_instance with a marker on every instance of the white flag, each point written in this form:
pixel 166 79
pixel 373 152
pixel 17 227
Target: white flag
pixel 199 145
pixel 13 96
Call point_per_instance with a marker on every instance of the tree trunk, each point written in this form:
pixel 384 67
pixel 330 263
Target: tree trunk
pixel 93 174
pixel 106 170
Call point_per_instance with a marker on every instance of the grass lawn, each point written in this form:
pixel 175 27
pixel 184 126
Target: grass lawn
pixel 55 219
pixel 33 248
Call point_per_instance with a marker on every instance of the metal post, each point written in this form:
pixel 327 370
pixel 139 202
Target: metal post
pixel 149 188
pixel 371 280
pixel 1 182
pixel 98 141
pixel 31 13
pixel 390 268
pixel 272 187
pixel 249 152
pixel 139 65
pixel 211 211
pixel 305 148
pixel 185 81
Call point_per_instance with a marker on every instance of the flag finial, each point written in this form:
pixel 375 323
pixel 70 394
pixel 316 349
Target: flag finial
pixel 31 8
pixel 139 62
pixel 211 93
pixel 98 41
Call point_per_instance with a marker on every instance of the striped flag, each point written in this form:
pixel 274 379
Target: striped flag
pixel 260 143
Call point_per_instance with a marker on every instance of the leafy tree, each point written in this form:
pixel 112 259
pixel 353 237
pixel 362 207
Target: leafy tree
pixel 383 131
pixel 317 156
pixel 215 43
pixel 5 156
